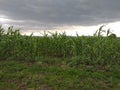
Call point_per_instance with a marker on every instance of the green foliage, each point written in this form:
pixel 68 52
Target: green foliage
pixel 53 74
pixel 59 62
pixel 100 31
pixel 91 50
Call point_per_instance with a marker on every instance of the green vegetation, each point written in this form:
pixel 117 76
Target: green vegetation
pixel 59 62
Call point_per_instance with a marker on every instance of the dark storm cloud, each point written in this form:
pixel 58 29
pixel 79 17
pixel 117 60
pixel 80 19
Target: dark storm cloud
pixel 60 12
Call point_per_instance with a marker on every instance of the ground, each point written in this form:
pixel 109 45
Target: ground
pixel 56 74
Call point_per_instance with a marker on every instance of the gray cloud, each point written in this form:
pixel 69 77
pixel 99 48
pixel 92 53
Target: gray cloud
pixel 35 13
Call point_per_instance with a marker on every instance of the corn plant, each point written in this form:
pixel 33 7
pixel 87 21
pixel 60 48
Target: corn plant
pixel 92 50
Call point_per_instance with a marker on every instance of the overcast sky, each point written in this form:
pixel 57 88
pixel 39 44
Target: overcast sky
pixel 55 14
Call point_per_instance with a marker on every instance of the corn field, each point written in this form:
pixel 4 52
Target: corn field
pixel 88 49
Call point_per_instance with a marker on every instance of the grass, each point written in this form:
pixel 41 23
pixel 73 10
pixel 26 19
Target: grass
pixel 43 75
pixel 59 62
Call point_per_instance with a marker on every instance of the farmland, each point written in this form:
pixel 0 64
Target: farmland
pixel 59 62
